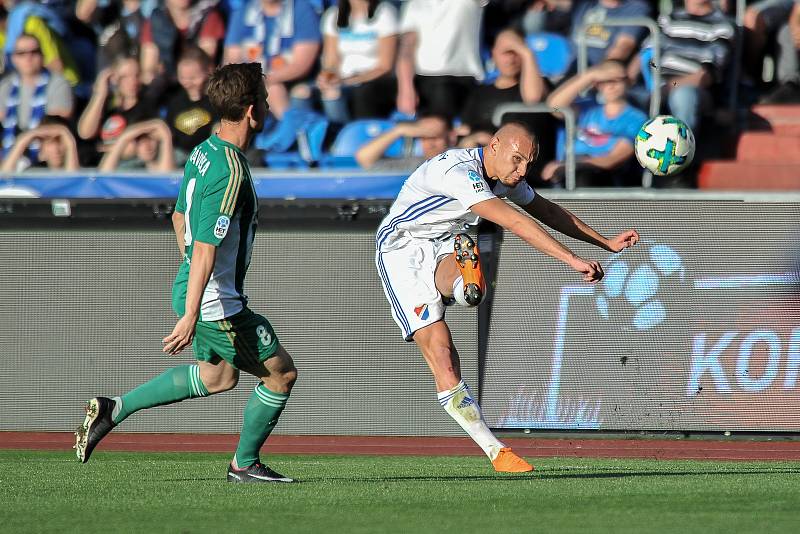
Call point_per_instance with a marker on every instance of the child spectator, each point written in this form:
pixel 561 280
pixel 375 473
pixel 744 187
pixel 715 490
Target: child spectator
pixel 57 149
pixel 604 140
pixel 119 99
pixel 190 116
pixel 143 146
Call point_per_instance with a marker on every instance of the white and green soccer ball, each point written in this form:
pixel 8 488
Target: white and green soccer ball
pixel 664 145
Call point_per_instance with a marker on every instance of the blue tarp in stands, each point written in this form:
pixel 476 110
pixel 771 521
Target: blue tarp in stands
pixel 352 185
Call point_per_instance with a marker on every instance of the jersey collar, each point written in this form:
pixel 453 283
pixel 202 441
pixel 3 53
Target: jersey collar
pixel 214 139
pixel 492 183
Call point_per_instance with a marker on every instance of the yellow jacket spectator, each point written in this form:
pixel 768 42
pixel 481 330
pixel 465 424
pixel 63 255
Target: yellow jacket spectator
pixel 55 53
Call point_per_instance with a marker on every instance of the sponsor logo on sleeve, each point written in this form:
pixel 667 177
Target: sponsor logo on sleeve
pixel 221 228
pixel 477 182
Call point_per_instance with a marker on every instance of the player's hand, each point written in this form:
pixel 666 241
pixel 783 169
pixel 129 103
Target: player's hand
pixel 626 239
pixel 181 336
pixel 592 270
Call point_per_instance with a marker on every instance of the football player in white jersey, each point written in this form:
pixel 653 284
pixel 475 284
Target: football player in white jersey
pixel 426 262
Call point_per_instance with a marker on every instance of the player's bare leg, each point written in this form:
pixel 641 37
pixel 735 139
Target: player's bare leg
pixel 436 344
pixel 278 375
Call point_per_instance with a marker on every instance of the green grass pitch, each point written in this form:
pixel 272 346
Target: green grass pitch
pixel 169 492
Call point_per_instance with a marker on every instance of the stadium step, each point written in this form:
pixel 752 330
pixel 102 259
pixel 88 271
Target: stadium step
pixel 740 175
pixel 780 120
pixel 768 147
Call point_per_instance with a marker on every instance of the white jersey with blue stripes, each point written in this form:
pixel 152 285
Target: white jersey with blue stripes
pixel 435 201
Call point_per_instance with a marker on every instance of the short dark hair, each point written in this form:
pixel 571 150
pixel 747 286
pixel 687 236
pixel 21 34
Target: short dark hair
pixel 234 87
pixel 197 54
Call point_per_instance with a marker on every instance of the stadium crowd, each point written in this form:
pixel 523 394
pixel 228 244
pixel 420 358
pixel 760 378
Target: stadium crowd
pixel 378 84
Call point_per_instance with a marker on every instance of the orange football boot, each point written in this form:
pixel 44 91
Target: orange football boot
pixel 508 462
pixel 469 263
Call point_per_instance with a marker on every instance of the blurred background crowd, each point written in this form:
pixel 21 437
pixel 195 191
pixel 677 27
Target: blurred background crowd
pixel 383 84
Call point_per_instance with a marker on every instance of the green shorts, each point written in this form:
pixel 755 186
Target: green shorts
pixel 242 340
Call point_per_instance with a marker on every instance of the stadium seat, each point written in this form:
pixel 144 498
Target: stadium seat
pixel 554 53
pixel 353 136
pixel 300 129
pixel 645 57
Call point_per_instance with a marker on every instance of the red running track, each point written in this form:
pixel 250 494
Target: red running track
pixel 657 449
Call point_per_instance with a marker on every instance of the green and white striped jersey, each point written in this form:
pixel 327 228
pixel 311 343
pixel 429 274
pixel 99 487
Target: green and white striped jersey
pixel 220 207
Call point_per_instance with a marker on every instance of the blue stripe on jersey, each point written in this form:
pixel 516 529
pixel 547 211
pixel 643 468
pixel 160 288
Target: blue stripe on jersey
pixel 392 297
pixel 416 214
pixel 388 226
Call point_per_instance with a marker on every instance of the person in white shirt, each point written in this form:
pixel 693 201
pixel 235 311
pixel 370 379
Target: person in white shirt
pixel 426 262
pixel 358 51
pixel 439 58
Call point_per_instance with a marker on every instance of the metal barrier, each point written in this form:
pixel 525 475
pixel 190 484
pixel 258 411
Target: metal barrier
pixel 569 121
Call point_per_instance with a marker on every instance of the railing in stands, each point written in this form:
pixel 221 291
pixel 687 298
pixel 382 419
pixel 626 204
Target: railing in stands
pixel 569 121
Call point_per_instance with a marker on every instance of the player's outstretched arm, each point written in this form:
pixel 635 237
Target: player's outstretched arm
pixel 564 221
pixel 528 230
pixel 203 257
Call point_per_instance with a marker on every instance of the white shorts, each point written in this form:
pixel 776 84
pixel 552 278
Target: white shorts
pixel 407 274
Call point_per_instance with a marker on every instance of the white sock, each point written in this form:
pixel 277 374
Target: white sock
pixel 458 402
pixel 458 292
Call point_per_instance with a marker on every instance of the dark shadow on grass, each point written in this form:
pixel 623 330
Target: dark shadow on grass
pixel 549 475
pixel 544 474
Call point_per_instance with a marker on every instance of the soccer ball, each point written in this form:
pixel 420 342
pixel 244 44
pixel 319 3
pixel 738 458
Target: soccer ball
pixel 664 145
pixel 630 292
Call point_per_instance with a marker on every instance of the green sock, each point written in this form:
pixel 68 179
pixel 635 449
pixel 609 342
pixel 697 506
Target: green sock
pixel 173 385
pixel 260 417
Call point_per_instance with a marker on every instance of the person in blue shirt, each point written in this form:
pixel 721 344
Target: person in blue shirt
pixel 609 42
pixel 605 131
pixel 284 35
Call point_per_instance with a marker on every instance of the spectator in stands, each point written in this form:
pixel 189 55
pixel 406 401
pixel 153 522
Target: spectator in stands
pixel 435 137
pixel 285 36
pixel 30 92
pixel 788 61
pixel 56 150
pixel 119 99
pixel 696 47
pixel 118 24
pixel 762 21
pixel 605 132
pixel 30 19
pixel 609 42
pixel 439 57
pixel 359 46
pixel 190 116
pixel 553 16
pixel 518 80
pixel 143 146
pixel 173 27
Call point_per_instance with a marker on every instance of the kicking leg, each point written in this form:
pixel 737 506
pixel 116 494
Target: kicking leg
pixel 459 275
pixel 278 374
pixel 173 385
pixel 437 347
